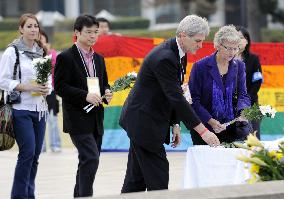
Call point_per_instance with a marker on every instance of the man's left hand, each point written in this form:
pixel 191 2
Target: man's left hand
pixel 108 95
pixel 176 139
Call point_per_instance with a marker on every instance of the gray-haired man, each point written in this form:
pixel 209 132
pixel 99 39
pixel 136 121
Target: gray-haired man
pixel 156 103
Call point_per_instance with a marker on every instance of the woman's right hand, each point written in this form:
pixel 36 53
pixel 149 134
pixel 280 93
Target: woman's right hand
pixel 216 125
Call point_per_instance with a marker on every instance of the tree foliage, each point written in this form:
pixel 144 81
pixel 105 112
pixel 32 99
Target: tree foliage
pixel 203 8
pixel 271 7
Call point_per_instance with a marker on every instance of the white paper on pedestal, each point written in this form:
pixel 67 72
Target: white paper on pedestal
pixel 93 85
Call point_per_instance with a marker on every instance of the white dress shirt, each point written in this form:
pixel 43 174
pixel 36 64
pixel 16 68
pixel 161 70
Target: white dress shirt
pixel 180 51
pixel 186 91
pixel 7 62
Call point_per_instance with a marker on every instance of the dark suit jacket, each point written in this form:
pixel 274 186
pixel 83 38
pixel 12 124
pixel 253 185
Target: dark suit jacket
pixel 201 79
pixel 71 85
pixel 252 66
pixel 156 101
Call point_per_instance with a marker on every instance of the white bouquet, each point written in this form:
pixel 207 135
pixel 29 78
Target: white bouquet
pixel 255 112
pixel 43 69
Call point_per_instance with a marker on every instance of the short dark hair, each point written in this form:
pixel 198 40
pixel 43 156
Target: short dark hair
pixel 85 20
pixel 101 19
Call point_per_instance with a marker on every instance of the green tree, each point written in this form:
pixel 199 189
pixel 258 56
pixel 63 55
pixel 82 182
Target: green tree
pixel 203 8
pixel 256 8
pixel 271 7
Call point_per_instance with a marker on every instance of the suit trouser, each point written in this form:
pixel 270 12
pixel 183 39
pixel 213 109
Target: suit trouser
pixel 29 133
pixel 88 146
pixel 146 170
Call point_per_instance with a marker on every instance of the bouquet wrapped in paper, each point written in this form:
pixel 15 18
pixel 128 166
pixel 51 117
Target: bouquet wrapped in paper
pixel 120 84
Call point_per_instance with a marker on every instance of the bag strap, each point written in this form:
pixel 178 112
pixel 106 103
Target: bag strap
pixel 17 64
pixel 2 98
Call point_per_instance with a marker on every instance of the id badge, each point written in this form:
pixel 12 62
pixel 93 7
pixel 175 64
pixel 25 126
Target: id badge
pixel 93 85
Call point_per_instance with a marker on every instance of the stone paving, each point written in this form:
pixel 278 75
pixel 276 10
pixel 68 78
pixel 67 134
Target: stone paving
pixel 56 173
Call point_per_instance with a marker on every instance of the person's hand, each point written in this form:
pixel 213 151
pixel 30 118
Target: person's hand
pixel 210 138
pixel 242 119
pixel 176 139
pixel 108 95
pixel 94 99
pixel 216 125
pixel 37 88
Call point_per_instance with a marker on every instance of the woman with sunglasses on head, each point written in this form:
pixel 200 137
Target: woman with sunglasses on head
pixel 254 77
pixel 213 82
pixel 29 112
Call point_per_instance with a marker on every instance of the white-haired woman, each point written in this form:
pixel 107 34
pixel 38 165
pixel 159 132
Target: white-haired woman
pixel 213 82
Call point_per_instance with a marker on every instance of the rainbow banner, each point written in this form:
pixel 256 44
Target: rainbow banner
pixel 126 54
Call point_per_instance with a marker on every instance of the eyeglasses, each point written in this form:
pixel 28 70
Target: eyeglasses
pixel 230 49
pixel 90 32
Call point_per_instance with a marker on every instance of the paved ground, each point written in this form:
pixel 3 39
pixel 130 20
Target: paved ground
pixel 56 173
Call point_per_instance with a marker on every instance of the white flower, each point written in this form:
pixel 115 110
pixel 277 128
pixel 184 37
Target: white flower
pixel 36 61
pixel 267 110
pixel 273 112
pixel 42 61
pixel 48 56
pixel 264 109
pixel 132 74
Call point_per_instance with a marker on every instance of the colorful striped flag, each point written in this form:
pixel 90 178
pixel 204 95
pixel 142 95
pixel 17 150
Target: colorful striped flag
pixel 125 54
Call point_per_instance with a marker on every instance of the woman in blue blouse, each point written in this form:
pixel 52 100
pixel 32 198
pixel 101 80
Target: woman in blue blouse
pixel 213 82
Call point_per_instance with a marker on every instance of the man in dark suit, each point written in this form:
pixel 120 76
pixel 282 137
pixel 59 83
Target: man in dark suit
pixel 72 69
pixel 156 103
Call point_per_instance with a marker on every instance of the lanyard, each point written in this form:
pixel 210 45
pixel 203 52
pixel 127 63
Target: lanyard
pixel 85 65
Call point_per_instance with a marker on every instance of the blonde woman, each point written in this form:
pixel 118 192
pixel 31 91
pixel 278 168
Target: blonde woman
pixel 29 125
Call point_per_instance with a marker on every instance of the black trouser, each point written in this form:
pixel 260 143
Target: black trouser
pixel 146 170
pixel 88 146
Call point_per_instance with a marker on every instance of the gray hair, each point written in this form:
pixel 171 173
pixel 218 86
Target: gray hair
pixel 226 33
pixel 192 25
